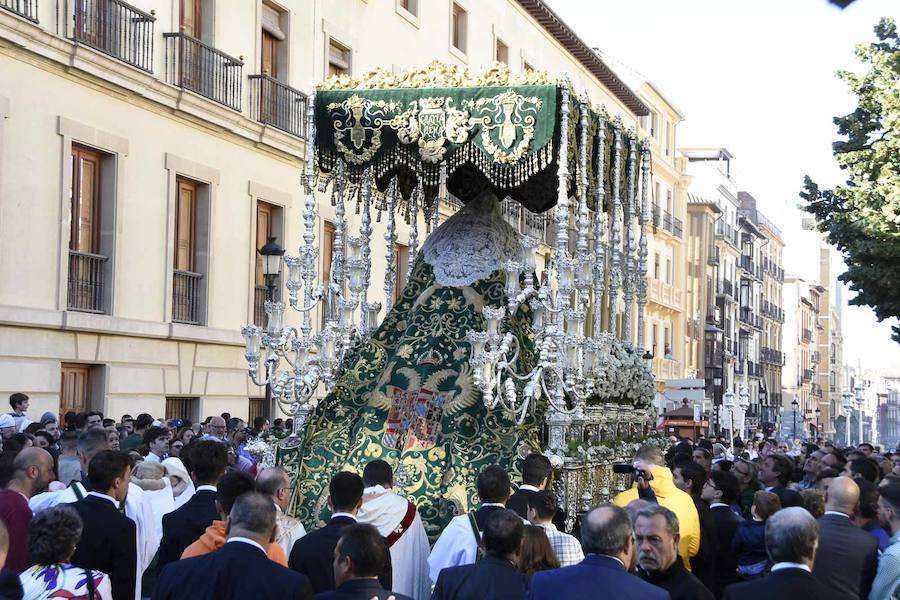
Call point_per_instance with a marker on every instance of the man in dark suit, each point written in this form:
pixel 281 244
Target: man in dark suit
pixel 656 538
pixel 608 541
pixel 690 477
pixel 108 541
pixel 536 471
pixel 847 557
pixel 495 576
pixel 775 472
pixel 721 490
pixel 359 557
pixel 791 536
pixel 313 554
pixel 182 527
pixel 240 569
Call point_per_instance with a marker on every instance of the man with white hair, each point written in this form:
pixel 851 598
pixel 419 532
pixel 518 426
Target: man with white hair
pixel 398 521
pixel 792 538
pixel 275 483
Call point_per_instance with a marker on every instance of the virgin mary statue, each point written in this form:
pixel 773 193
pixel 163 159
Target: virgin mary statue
pixel 409 396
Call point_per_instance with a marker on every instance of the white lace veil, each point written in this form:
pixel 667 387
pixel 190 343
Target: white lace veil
pixel 472 244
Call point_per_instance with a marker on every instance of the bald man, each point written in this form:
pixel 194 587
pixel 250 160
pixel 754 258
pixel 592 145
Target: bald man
pixel 32 473
pixel 847 557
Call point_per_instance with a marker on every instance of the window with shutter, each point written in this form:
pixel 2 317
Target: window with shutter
pixel 185 219
pixel 191 17
pixel 339 58
pixel 85 200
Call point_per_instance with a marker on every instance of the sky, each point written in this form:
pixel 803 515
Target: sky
pixel 757 77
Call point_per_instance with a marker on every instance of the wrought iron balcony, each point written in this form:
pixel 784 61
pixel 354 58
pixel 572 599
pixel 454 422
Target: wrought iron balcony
pixel 771 356
pixel 186 297
pixel 671 223
pixel 23 8
pixel 86 282
pixel 113 27
pixel 194 66
pixel 279 105
pixel 807 335
pixel 727 232
pixel 749 317
pixel 712 258
pixel 807 375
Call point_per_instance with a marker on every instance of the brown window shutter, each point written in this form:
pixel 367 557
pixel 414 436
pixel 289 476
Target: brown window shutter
pixel 185 225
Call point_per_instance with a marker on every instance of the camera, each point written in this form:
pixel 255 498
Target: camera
pixel 626 469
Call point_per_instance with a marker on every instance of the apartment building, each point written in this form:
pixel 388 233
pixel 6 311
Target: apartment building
pixel 664 317
pixel 704 355
pixel 711 181
pixel 803 301
pixel 148 149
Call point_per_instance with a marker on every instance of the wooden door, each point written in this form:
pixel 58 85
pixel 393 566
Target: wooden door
pixel 85 200
pixel 191 18
pixel 185 225
pixel 75 388
pixel 269 53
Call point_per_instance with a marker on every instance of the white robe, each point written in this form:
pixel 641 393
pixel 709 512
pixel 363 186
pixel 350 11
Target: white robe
pixel 289 531
pixel 385 510
pixel 139 507
pixel 456 546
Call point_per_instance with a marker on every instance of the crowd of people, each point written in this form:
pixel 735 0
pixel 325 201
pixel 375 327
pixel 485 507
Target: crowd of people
pixel 99 509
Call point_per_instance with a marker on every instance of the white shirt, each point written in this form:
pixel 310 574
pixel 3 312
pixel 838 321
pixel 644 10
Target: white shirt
pixel 243 540
pixel 529 488
pixel 790 565
pixel 836 512
pixel 152 458
pixel 210 488
pixel 343 514
pixel 105 497
pixel 715 504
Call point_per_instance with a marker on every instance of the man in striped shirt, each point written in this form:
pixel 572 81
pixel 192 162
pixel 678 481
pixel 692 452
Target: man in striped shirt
pixel 541 508
pixel 887 580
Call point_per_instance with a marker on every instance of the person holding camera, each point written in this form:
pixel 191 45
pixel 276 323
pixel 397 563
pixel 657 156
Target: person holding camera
pixel 650 471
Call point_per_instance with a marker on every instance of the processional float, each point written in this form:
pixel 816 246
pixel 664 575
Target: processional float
pixel 549 354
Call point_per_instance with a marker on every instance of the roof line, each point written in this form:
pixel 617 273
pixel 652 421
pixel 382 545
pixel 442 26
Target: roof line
pixel 570 40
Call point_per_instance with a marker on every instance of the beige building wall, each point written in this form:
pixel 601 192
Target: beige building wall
pixel 664 329
pixel 57 93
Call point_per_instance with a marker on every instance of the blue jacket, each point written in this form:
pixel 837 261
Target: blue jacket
pixel 594 576
pixel 749 543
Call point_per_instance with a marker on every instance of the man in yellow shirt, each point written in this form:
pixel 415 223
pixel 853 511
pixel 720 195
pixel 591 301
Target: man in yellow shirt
pixel 650 460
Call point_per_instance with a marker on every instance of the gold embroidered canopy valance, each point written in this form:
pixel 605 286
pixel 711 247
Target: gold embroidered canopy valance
pixel 442 127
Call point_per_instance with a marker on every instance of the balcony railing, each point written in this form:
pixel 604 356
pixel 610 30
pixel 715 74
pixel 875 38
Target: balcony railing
pixel 186 297
pixel 749 266
pixel 666 368
pixel 86 282
pixel 807 374
pixel 814 358
pixel 713 258
pixel 670 222
pixel 192 65
pixel 113 27
pixel 23 8
pixel 748 316
pixel 726 288
pixel 279 105
pixel 771 356
pixel 807 335
pixel 665 294
pixel 727 232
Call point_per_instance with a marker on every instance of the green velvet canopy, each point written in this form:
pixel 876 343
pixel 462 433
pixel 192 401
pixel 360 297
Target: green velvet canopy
pixel 505 135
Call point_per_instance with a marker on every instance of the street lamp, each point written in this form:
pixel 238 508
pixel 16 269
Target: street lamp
pixel 717 392
pixel 859 403
pixel 744 406
pixel 796 407
pixel 728 403
pixel 818 415
pixel 848 407
pixel 271 254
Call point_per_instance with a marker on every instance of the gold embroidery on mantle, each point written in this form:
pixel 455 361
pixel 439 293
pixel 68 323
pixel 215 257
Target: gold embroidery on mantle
pixel 438 75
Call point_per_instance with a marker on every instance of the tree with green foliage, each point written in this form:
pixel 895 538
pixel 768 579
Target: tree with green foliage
pixel 862 217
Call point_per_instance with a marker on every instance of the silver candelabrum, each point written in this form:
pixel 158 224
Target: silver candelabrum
pixel 571 337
